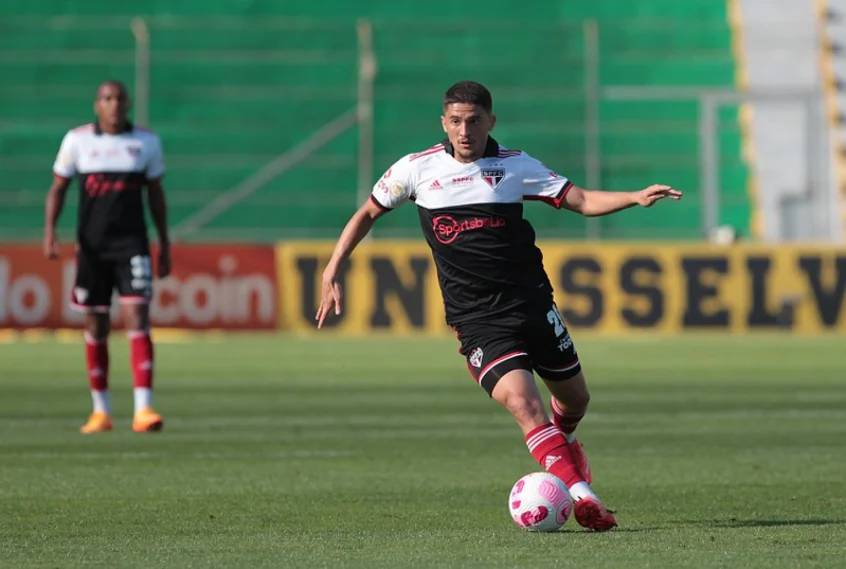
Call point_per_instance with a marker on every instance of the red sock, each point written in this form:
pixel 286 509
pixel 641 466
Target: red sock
pixel 141 358
pixel 97 362
pixel 549 447
pixel 565 421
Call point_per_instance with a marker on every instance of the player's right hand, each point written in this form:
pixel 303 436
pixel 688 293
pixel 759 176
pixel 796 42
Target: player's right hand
pixel 648 196
pixel 165 265
pixel 51 247
pixel 330 298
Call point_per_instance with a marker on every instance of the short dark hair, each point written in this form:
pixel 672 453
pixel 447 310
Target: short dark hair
pixel 471 93
pixel 114 83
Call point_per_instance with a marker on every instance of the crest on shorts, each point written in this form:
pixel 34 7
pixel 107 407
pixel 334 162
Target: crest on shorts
pixel 493 176
pixel 476 357
pixel 80 294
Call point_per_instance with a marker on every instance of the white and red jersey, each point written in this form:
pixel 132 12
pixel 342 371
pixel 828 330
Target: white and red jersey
pixel 112 171
pixel 472 217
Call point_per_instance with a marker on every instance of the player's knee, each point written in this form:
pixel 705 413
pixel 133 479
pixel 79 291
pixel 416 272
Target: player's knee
pixel 578 401
pixel 132 323
pixel 136 317
pixel 97 326
pixel 575 401
pixel 574 394
pixel 524 408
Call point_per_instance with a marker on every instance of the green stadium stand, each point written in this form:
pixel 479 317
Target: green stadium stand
pixel 233 86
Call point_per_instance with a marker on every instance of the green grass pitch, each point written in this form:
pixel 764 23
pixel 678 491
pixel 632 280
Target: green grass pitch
pixel 278 451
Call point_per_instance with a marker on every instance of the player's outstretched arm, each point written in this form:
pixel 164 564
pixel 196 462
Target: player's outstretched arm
pixel 354 231
pixel 52 209
pixel 158 209
pixel 593 203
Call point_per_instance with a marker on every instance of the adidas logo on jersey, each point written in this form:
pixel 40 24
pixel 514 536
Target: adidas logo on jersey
pixel 436 185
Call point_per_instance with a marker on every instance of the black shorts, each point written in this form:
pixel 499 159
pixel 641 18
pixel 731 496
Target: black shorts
pixel 97 276
pixel 535 338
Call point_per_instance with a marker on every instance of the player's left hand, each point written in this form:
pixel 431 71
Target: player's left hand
pixel 164 262
pixel 330 299
pixel 51 246
pixel 648 196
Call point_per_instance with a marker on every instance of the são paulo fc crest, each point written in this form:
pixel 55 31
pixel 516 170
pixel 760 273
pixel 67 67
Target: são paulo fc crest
pixel 476 357
pixel 493 176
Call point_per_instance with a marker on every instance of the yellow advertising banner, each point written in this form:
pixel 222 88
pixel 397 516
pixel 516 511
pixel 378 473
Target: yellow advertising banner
pixel 610 287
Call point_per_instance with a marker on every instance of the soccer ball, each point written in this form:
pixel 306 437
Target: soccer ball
pixel 540 502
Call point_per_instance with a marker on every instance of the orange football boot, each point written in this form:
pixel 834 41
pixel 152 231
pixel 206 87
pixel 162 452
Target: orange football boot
pixel 98 422
pixel 146 421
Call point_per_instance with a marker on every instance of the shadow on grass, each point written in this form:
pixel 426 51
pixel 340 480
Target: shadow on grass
pixel 615 530
pixel 759 523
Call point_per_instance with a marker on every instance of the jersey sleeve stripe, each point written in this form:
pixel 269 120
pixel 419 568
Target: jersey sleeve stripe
pixel 558 200
pixel 428 151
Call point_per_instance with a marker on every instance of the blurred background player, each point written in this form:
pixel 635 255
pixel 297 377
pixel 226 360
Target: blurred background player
pixel 114 160
pixel 469 192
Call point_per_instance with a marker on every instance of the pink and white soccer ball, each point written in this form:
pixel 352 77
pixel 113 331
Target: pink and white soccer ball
pixel 540 502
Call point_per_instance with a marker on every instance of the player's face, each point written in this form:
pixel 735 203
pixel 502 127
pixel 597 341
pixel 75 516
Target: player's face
pixel 467 127
pixel 111 107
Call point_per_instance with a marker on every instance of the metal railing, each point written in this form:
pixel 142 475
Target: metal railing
pixel 141 62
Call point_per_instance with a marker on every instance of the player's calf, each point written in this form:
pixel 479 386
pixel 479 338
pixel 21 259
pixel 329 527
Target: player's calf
pixel 548 446
pixel 566 422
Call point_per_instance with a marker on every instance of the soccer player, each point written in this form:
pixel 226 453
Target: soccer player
pixel 114 160
pixel 469 192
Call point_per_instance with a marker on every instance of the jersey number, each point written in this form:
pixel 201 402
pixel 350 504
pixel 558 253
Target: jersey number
pixel 141 267
pixel 555 319
pixel 142 274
